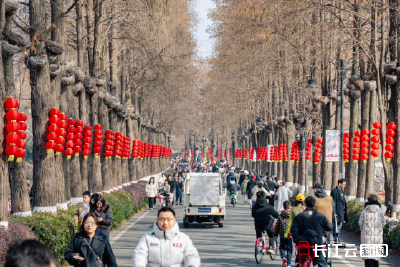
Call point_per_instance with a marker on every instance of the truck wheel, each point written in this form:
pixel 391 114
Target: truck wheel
pixel 221 225
pixel 185 223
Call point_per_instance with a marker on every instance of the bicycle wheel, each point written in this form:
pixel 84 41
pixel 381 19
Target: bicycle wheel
pixel 258 253
pixel 275 250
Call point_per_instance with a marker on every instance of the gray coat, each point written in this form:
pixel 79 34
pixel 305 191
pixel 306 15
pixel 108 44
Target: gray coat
pixel 371 223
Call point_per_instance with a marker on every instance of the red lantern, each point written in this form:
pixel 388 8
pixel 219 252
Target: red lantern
pixel 357 133
pixel 388 156
pixel 54 112
pixel 365 132
pixel 12 138
pixel 375 139
pixel 375 153
pixel 390 133
pixel 12 115
pixel 375 146
pixel 11 151
pixel 392 126
pixel 12 127
pixel 69 152
pixel 346 135
pixel 390 141
pixel 11 103
pixel 377 125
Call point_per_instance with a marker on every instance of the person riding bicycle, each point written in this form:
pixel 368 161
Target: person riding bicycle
pixel 232 186
pixel 311 222
pixel 264 214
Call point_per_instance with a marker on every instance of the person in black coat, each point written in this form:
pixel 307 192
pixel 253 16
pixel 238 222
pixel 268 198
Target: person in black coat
pixel 310 219
pixel 249 190
pixel 339 199
pixel 270 186
pixel 90 247
pixel 103 212
pixel 264 215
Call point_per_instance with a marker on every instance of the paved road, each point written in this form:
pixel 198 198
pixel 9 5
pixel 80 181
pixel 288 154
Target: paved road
pixel 232 245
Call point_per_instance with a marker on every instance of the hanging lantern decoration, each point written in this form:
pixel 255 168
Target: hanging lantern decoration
pixel 365 145
pixel 285 155
pixel 87 140
pixel 127 141
pixel 71 130
pixel 12 127
pixel 135 149
pixel 78 137
pixel 390 134
pixel 376 132
pixel 21 137
pixel 53 129
pixel 356 146
pixel 98 140
pixel 308 149
pixel 61 133
pixel 346 147
pixel 108 150
pixel 318 150
pixel 118 145
pixel 292 151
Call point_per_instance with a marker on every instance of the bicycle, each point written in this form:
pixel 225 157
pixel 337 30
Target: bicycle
pixel 261 248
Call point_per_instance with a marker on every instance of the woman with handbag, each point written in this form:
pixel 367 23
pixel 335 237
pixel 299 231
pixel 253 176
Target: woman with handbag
pixel 89 247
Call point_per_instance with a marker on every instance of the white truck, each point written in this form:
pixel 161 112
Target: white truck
pixel 204 199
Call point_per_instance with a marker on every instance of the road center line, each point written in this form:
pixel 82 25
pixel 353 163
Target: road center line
pixel 115 238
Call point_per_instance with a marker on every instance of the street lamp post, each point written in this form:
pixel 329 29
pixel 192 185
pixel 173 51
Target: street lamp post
pixel 313 85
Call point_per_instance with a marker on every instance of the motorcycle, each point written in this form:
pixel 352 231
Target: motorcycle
pixel 233 199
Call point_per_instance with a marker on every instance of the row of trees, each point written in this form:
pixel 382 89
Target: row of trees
pixel 116 63
pixel 263 58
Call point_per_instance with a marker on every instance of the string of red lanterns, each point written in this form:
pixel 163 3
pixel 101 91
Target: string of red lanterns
pixel 390 134
pixel 52 129
pixel 364 145
pixel 375 139
pixel 98 140
pixel 356 146
pixel 70 138
pixel 12 127
pixel 21 144
pixel 87 140
pixel 346 147
pixel 308 149
pixel 61 133
pixel 78 137
pixel 318 149
pixel 109 148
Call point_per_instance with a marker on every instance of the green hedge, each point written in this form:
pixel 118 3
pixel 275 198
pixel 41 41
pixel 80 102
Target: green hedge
pixel 57 230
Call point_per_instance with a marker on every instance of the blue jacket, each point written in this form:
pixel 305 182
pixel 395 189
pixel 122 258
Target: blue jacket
pixel 230 175
pixel 341 205
pixel 178 189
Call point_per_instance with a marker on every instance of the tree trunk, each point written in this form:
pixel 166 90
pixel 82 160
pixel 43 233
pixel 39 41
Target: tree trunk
pixel 114 162
pixel 362 167
pixel 351 170
pixel 19 191
pixel 105 163
pixel 42 100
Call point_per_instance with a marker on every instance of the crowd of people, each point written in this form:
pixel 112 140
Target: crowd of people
pixel 277 211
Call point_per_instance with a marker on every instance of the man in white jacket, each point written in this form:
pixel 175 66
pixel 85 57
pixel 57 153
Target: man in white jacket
pixel 165 245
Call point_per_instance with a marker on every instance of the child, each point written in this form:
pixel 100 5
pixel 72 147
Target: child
pixel 285 245
pixel 392 221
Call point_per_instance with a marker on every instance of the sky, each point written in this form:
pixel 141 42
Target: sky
pixel 204 43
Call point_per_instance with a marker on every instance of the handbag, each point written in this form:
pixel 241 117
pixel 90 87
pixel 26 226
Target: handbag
pixel 94 253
